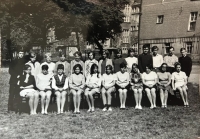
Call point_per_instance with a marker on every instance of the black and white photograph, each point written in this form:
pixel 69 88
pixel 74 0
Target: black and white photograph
pixel 99 69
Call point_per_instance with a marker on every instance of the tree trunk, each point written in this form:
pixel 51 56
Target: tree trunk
pixel 77 39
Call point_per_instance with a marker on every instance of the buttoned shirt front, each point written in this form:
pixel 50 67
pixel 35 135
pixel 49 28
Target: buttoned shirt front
pixel 170 60
pixel 157 60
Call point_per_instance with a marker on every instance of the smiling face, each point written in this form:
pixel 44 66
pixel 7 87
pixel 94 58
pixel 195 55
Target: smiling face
pixel 45 72
pixel 164 68
pixel 77 70
pixel 60 71
pixel 178 68
pixel 148 70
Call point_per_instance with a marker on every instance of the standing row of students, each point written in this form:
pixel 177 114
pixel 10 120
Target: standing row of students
pixel 99 79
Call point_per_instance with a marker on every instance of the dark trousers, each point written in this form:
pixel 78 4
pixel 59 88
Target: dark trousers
pixel 13 97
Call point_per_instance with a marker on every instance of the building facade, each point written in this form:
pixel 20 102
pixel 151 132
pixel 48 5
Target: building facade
pixel 174 23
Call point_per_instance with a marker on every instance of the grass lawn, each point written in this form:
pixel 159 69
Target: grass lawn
pixel 173 122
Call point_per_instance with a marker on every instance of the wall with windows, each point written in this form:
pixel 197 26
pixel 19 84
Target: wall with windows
pixel 170 19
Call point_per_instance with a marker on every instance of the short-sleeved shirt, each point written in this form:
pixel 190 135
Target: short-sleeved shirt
pixel 170 60
pixel 149 78
pixel 179 78
pixel 108 80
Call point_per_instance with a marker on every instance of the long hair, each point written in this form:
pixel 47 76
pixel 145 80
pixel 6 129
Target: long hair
pixel 118 51
pixel 92 70
pixel 134 64
pixel 162 66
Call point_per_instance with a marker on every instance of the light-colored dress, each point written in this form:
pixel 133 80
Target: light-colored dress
pixel 77 81
pixel 179 78
pixel 94 80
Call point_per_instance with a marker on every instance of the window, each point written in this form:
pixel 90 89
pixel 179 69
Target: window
pixel 188 47
pixel 125 36
pixel 160 19
pixel 167 45
pixel 192 21
pixel 134 28
pixel 127 19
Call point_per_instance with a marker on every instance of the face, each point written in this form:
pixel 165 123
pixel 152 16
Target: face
pixel 171 51
pixel 119 55
pixel 95 70
pixel 45 72
pixel 90 56
pixel 178 68
pixel 28 71
pixel 77 57
pixel 131 54
pixel 20 54
pixel 134 68
pixel 148 70
pixel 145 50
pixel 183 52
pixel 155 51
pixel 60 71
pixel 104 55
pixel 77 70
pixel 33 59
pixel 164 68
pixel 108 70
pixel 48 59
pixel 123 70
pixel 62 58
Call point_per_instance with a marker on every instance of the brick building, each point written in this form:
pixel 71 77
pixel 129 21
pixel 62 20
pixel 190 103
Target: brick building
pixel 171 23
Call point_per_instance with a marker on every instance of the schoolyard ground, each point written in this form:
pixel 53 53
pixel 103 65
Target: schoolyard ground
pixel 175 122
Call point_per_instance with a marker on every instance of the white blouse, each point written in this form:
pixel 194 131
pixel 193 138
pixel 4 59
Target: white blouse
pixel 108 80
pixel 93 80
pixel 149 78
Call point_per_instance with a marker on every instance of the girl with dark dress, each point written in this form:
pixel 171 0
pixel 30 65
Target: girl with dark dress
pixel 118 60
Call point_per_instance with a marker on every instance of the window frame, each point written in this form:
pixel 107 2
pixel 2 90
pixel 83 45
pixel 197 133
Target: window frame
pixel 192 21
pixel 158 21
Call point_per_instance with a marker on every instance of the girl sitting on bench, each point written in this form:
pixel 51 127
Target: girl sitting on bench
pixel 77 84
pixel 60 85
pixel 27 87
pixel 43 81
pixel 108 86
pixel 179 82
pixel 93 84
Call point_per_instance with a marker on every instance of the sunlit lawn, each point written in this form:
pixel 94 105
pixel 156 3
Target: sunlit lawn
pixel 173 122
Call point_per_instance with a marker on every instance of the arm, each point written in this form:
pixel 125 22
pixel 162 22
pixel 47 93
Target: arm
pixel 66 84
pixel 169 79
pixel 54 84
pixel 83 66
pixel 83 82
pixel 99 66
pixel 172 78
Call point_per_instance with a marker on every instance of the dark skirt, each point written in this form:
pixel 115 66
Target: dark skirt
pixel 168 88
pixel 118 87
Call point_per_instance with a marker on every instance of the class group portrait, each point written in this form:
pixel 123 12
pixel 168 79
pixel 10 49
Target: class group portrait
pixel 148 74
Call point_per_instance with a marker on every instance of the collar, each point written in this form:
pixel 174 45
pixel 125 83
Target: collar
pixel 60 75
pixel 155 55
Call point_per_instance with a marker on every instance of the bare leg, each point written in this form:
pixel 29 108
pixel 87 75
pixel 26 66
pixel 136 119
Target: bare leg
pixel 79 99
pixel 124 98
pixel 87 98
pixel 139 98
pixel 63 99
pixel 120 97
pixel 185 94
pixel 36 99
pixel 58 96
pixel 166 97
pixel 92 92
pixel 104 96
pixel 74 99
pixel 153 92
pixel 162 97
pixel 149 97
pixel 136 98
pixel 48 97
pixel 43 96
pixel 31 98
pixel 182 96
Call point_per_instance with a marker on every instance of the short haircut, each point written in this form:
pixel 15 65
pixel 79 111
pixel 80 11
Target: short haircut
pixel 60 66
pixel 177 64
pixel 171 47
pixel 122 65
pixel 77 66
pixel 93 53
pixel 26 66
pixel 154 47
pixel 131 50
pixel 145 46
pixel 78 53
pixel 45 67
pixel 182 49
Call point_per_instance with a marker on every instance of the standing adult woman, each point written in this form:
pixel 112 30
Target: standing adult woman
pixel 90 62
pixel 149 79
pixel 77 84
pixel 179 82
pixel 136 85
pixel 108 86
pixel 93 84
pixel 104 62
pixel 131 59
pixel 164 80
pixel 118 60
